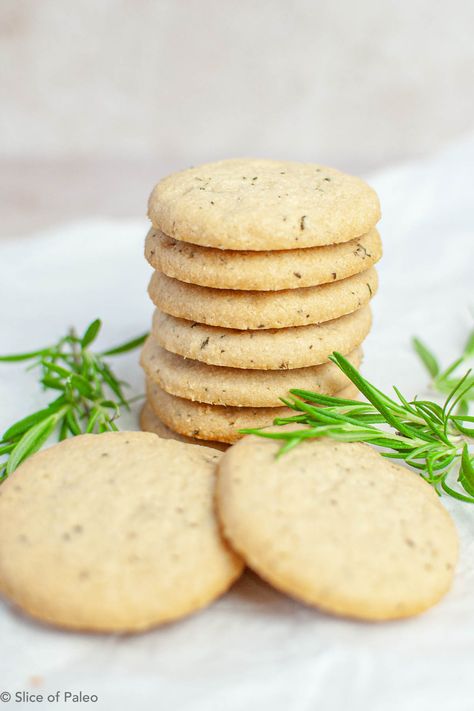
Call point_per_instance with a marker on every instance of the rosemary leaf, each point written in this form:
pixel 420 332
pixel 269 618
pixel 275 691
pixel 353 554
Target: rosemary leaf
pixel 90 399
pixel 432 439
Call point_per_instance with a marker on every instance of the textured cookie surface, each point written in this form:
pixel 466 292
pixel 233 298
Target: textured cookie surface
pixel 258 205
pixel 337 526
pixel 252 310
pixel 215 422
pixel 279 349
pixel 113 532
pixel 218 385
pixel 208 422
pixel 261 271
pixel 149 422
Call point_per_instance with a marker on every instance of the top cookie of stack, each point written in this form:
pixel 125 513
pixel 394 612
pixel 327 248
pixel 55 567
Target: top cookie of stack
pixel 241 248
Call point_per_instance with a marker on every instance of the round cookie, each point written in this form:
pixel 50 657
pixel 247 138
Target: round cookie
pixel 261 271
pixel 218 385
pixel 149 422
pixel 278 349
pixel 252 310
pixel 337 526
pixel 257 204
pixel 215 422
pixel 114 533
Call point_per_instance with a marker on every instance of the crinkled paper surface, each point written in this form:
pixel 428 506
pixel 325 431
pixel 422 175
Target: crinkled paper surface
pixel 255 648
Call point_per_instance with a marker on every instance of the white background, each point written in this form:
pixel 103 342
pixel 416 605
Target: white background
pixel 101 99
pixel 184 81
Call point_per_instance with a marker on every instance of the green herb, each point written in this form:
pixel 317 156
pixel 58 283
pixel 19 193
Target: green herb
pixel 432 438
pixel 443 381
pixel 89 395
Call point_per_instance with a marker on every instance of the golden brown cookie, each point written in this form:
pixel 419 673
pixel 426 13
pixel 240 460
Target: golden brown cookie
pixel 273 349
pixel 218 385
pixel 337 526
pixel 149 422
pixel 257 204
pixel 257 310
pixel 261 271
pixel 215 422
pixel 114 533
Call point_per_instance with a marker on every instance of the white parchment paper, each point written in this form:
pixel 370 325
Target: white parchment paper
pixel 255 648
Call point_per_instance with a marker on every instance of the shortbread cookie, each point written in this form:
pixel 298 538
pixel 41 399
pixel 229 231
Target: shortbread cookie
pixel 113 532
pixel 215 422
pixel 261 271
pixel 279 349
pixel 149 422
pixel 253 310
pixel 218 385
pixel 263 205
pixel 337 526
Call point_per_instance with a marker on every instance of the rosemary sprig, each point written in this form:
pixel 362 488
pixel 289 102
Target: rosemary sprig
pixel 444 380
pixel 89 394
pixel 432 438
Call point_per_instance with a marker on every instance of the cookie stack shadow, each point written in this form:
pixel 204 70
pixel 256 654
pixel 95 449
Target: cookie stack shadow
pixel 261 270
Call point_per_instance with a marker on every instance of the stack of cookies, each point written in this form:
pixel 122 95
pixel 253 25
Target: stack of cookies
pixel 262 269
